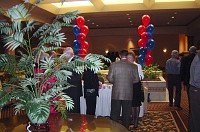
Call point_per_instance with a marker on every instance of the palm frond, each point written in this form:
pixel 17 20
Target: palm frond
pixel 13 42
pixel 67 17
pixel 51 48
pixel 8 63
pixel 18 12
pixel 38 109
pixel 68 101
pixel 30 25
pixel 5 28
pixel 4 97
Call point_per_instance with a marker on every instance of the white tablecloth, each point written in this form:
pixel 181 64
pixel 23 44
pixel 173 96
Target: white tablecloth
pixel 103 105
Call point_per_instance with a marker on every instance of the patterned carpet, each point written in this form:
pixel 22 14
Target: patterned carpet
pixel 180 116
pixel 154 121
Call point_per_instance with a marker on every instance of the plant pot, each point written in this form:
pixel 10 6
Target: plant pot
pixel 39 120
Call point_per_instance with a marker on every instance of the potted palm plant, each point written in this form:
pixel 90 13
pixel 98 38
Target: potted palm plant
pixel 24 87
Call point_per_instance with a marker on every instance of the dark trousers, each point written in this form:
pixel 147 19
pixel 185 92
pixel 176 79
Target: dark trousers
pixel 91 105
pixel 174 80
pixel 76 100
pixel 116 106
pixel 194 115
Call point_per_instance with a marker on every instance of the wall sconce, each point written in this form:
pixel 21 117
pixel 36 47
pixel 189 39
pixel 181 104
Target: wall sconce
pixel 164 50
pixel 106 51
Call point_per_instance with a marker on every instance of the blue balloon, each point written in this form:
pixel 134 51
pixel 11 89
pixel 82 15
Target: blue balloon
pixel 141 60
pixel 76 45
pixel 76 30
pixel 150 44
pixel 76 53
pixel 143 51
pixel 150 29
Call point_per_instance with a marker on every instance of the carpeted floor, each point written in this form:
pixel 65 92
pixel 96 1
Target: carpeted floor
pixel 180 116
pixel 154 121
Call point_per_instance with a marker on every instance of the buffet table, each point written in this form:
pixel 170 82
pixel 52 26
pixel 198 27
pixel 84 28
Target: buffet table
pixel 103 106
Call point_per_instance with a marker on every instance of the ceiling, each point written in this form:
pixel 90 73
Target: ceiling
pixel 103 16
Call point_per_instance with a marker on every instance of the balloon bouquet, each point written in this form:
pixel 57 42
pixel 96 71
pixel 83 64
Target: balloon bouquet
pixel 80 45
pixel 146 42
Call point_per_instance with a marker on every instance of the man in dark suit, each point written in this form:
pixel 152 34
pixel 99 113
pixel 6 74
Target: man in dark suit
pixel 185 68
pixel 75 91
pixel 122 74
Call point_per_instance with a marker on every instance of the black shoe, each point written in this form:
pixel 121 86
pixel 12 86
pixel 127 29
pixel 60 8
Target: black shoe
pixel 179 107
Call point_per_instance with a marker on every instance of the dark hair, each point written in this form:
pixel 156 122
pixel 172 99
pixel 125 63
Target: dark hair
pixel 123 53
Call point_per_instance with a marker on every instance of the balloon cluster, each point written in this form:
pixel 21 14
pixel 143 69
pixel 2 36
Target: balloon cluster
pixel 146 42
pixel 80 45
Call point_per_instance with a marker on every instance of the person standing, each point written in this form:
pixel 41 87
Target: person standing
pixel 137 93
pixel 91 89
pixel 194 93
pixel 185 69
pixel 75 91
pixel 122 74
pixel 173 77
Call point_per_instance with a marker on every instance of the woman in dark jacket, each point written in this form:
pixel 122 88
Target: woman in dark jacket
pixel 91 89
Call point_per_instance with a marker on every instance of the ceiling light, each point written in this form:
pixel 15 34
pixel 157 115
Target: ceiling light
pixel 88 20
pixel 97 25
pixel 130 21
pixel 129 18
pixel 127 14
pixel 93 23
pixel 111 2
pixel 172 17
pixel 73 4
pixel 172 0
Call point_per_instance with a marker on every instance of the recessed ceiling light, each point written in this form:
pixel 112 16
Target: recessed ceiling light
pixel 110 2
pixel 73 4
pixel 172 17
pixel 88 20
pixel 127 14
pixel 130 21
pixel 97 25
pixel 175 13
pixel 129 18
pixel 172 0
pixel 93 23
pixel 168 23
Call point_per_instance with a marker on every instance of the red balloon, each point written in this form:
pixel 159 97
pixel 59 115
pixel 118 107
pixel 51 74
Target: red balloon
pixel 80 21
pixel 145 36
pixel 81 37
pixel 84 29
pixel 82 53
pixel 141 29
pixel 142 43
pixel 145 20
pixel 149 52
pixel 148 60
pixel 84 45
